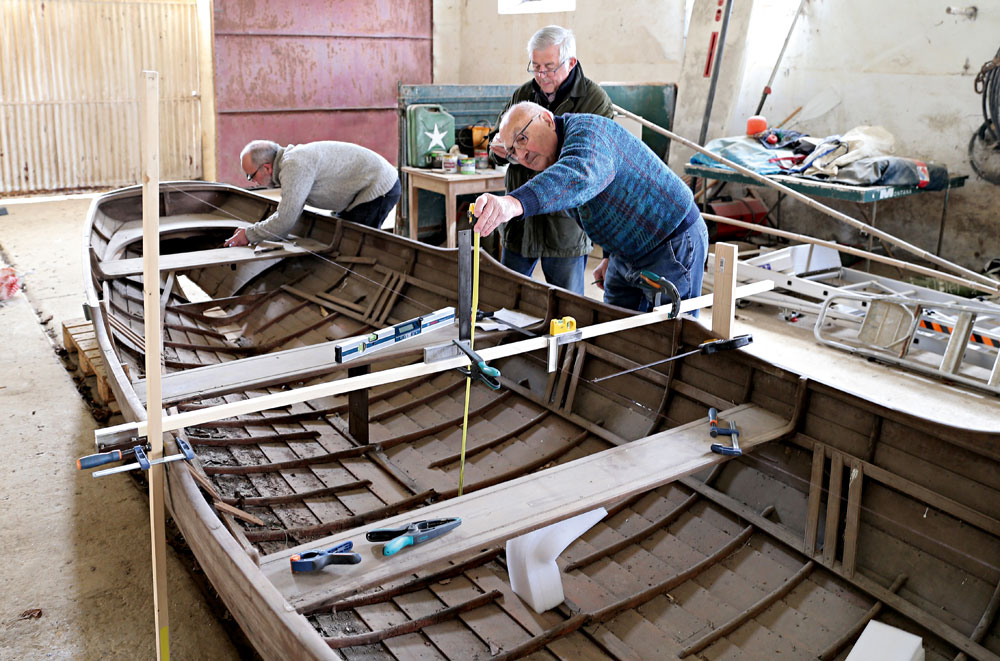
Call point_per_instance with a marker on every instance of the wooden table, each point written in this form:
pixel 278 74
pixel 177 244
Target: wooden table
pixel 451 186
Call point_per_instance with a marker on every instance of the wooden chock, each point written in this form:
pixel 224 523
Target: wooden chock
pixel 724 305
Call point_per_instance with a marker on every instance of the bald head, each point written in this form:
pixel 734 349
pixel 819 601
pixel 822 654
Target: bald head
pixel 529 133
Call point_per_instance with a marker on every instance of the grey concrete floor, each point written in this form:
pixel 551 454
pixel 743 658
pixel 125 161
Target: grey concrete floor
pixel 78 548
pixel 73 547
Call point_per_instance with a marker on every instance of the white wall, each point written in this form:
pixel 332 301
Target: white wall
pixel 903 64
pixel 637 42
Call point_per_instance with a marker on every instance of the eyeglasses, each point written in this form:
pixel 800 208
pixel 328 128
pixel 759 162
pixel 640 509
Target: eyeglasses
pixel 539 70
pixel 520 141
pixel 251 176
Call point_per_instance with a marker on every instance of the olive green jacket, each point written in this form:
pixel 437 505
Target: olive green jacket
pixel 555 234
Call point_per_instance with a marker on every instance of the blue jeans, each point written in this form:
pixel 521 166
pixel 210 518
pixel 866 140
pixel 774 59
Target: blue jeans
pixel 565 272
pixel 681 260
pixel 374 212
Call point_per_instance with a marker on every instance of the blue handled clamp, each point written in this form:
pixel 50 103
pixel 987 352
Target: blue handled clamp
pixel 729 451
pixel 315 560
pixel 478 370
pixel 411 534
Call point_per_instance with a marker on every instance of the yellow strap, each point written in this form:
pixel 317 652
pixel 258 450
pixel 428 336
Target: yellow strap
pixel 472 337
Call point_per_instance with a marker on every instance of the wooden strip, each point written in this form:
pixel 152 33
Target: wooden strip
pixel 238 513
pixel 581 355
pixel 853 522
pixel 636 537
pixel 490 516
pixel 188 261
pixel 390 592
pixel 492 443
pixel 985 621
pixel 859 580
pixel 299 496
pixel 413 625
pixel 724 307
pixel 750 613
pixel 341 386
pixel 833 650
pixel 833 508
pixel 815 494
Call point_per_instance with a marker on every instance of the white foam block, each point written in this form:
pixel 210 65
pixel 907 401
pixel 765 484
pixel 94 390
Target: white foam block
pixel 880 642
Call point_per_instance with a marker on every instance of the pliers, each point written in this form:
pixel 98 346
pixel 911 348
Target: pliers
pixel 417 532
pixel 478 369
pixel 316 560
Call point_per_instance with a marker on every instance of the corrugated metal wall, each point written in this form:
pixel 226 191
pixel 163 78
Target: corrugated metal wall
pixel 69 74
pixel 304 70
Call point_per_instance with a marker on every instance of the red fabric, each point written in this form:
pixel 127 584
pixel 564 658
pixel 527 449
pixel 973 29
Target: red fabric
pixel 9 284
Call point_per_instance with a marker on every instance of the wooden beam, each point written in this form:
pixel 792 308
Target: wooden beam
pixel 833 507
pixel 149 118
pixel 186 261
pixel 815 496
pixel 855 482
pixel 724 305
pixel 492 515
pixel 339 387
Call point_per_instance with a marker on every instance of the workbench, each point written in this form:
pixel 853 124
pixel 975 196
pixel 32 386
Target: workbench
pixel 451 186
pixel 829 190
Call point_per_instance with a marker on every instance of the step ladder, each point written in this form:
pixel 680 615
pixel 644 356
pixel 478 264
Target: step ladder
pixel 935 333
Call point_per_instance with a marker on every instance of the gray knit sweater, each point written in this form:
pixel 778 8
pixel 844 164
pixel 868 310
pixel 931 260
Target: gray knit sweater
pixel 330 175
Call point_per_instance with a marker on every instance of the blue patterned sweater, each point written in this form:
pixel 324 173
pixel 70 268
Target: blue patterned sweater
pixel 629 201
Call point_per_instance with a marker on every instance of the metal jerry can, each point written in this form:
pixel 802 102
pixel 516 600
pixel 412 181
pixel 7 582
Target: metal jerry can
pixel 429 128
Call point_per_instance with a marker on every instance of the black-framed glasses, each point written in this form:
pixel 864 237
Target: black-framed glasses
pixel 251 176
pixel 520 140
pixel 539 70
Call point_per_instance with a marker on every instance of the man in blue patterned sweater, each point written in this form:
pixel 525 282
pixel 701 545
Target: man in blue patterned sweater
pixel 630 203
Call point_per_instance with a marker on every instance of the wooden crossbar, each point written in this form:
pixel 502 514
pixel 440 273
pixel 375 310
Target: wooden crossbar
pixel 492 515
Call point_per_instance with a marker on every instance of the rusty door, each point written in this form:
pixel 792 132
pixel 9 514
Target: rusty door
pixel 305 70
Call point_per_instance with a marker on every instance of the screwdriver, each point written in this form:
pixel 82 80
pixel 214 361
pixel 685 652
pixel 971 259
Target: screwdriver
pixel 707 348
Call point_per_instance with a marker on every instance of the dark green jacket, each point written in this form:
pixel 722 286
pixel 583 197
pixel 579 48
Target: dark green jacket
pixel 554 234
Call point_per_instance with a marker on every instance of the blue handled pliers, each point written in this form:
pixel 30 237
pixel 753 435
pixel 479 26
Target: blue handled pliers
pixel 316 560
pixel 413 533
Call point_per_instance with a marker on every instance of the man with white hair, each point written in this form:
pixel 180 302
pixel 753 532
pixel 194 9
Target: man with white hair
pixel 354 182
pixel 559 85
pixel 625 197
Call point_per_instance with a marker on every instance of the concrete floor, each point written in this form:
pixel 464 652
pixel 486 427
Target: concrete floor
pixel 74 547
pixel 78 548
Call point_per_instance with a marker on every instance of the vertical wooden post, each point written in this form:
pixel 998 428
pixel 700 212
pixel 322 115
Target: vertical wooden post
pixel 815 496
pixel 357 407
pixel 723 303
pixel 149 127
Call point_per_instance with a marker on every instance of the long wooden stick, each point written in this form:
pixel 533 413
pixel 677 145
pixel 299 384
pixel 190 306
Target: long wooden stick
pixel 150 145
pixel 341 386
pixel 915 268
pixel 808 201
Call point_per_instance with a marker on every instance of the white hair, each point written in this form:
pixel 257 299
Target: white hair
pixel 552 35
pixel 261 152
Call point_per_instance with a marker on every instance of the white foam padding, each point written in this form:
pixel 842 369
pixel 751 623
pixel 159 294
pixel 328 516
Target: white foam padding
pixel 531 559
pixel 880 642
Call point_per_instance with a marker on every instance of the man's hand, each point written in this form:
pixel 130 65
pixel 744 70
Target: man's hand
pixel 599 272
pixel 239 238
pixel 492 210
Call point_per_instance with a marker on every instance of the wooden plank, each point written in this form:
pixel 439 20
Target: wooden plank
pixel 492 515
pixel 833 507
pixel 186 261
pixel 894 601
pixel 724 305
pixel 191 418
pixel 853 516
pixel 815 494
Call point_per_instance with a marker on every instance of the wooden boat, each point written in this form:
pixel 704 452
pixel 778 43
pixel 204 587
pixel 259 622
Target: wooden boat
pixel 840 510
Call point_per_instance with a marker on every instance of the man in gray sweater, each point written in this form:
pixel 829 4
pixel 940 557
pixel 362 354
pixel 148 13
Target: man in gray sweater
pixel 355 183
